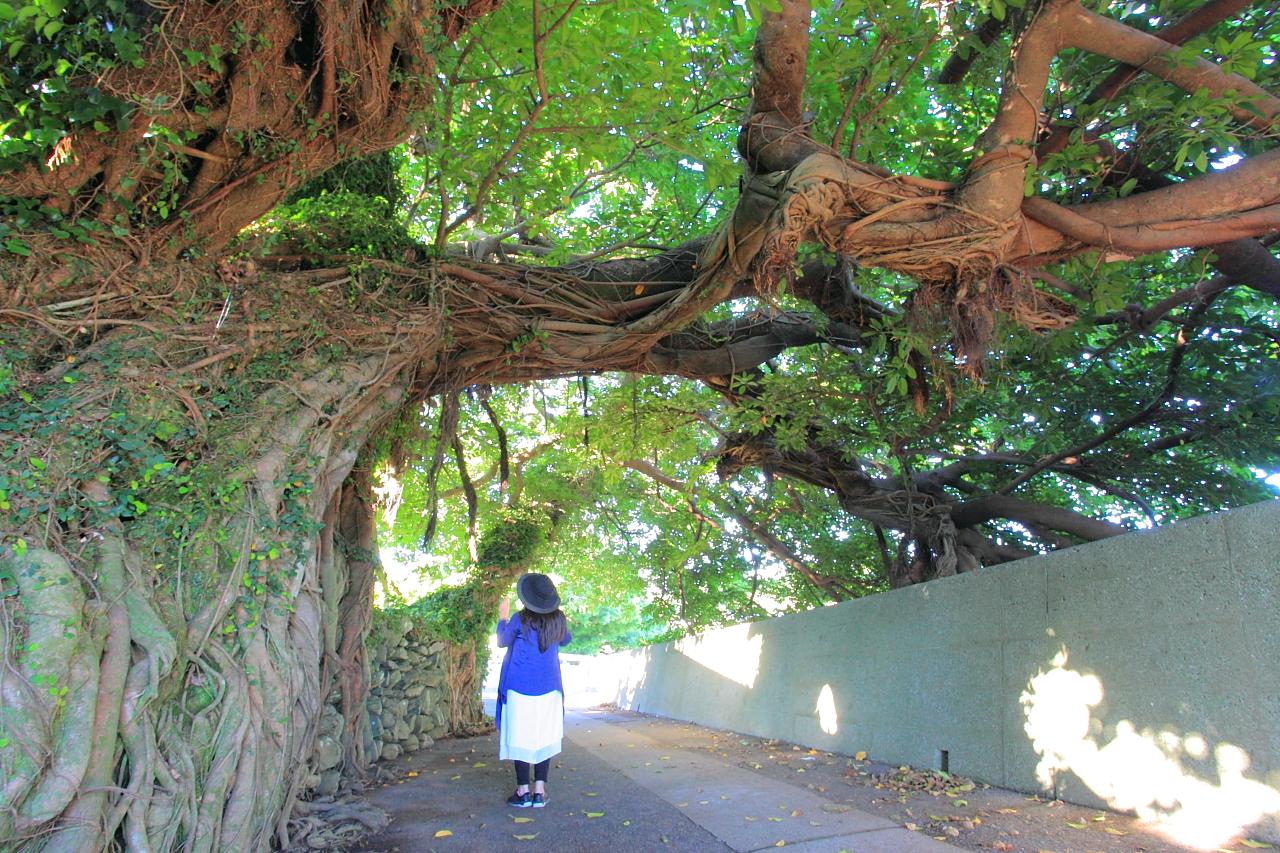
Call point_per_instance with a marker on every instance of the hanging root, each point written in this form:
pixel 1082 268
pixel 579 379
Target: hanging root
pixel 895 223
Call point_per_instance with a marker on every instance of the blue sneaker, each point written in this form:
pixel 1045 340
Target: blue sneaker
pixel 539 801
pixel 520 801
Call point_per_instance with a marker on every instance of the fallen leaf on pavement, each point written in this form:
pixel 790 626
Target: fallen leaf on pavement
pixel 595 814
pixel 1249 842
pixel 522 819
pixel 859 756
pixel 444 833
pixel 525 837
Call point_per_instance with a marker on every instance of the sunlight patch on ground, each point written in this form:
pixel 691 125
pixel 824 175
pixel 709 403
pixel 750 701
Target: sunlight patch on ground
pixel 1141 771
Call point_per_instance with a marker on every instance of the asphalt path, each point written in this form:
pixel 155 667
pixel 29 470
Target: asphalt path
pixel 617 786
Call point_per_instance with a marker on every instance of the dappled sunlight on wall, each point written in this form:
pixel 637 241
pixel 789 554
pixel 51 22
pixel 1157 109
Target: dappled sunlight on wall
pixel 731 652
pixel 826 710
pixel 1141 771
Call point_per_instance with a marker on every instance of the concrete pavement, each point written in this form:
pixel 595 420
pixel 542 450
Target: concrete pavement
pixel 616 787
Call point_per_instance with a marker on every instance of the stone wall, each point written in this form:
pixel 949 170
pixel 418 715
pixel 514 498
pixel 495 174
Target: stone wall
pixel 408 706
pixel 409 698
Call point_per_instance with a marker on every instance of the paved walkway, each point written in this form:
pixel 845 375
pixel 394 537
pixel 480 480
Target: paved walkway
pixel 618 787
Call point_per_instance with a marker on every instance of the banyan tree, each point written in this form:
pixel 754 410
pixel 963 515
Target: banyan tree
pixel 189 406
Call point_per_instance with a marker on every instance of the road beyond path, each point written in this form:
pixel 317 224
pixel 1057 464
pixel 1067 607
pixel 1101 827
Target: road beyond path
pixel 618 786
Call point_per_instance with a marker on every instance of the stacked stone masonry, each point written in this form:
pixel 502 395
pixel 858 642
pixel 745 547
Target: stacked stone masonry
pixel 407 707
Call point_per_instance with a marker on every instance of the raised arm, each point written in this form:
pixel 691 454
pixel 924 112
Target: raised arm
pixel 507 631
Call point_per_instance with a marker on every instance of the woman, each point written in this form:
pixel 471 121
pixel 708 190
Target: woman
pixel 530 713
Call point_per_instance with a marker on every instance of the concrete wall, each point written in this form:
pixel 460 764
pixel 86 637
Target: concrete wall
pixel 1141 673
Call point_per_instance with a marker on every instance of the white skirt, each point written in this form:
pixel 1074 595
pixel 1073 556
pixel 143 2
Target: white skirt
pixel 532 727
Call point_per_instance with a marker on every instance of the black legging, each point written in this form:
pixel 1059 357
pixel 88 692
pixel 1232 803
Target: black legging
pixel 539 771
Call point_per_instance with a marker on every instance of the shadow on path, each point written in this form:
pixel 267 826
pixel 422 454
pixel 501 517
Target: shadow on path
pixel 616 787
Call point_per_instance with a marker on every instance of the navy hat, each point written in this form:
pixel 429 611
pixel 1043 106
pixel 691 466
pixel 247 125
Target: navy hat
pixel 538 593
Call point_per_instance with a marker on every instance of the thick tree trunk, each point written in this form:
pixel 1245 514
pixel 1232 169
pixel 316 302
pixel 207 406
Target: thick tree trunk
pixel 185 579
pixel 185 576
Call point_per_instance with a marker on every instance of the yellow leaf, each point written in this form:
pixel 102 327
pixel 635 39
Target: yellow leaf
pixel 626 823
pixel 525 837
pixel 412 773
pixel 444 833
pixel 776 819
pixel 859 756
pixel 595 814
pixel 522 819
pixel 591 793
pixel 781 844
pixel 1249 842
pixel 478 764
pixel 455 778
pixel 1111 830
pixel 1077 824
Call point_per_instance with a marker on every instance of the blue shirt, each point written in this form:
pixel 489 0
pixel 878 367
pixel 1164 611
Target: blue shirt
pixel 526 669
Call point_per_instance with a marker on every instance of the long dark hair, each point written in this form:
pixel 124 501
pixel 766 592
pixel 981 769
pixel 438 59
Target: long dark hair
pixel 551 627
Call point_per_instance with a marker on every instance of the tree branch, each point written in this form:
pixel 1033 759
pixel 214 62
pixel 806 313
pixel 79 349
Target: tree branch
pixel 1249 103
pixel 1192 25
pixel 1185 334
pixel 991 507
pixel 773 137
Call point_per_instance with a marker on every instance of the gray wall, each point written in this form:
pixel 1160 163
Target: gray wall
pixel 1167 702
